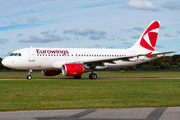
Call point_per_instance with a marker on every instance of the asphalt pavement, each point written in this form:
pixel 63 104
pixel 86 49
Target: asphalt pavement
pixel 160 113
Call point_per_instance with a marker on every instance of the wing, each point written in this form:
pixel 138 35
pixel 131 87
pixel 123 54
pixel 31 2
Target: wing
pixel 92 63
pixel 111 60
pixel 101 61
pixel 161 53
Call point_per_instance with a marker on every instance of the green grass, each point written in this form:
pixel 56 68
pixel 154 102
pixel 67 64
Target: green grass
pixel 100 93
pixel 100 75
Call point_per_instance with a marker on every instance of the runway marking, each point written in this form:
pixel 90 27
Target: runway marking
pixel 154 115
pixel 81 114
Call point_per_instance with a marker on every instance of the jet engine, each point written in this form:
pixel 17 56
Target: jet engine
pixel 51 72
pixel 72 69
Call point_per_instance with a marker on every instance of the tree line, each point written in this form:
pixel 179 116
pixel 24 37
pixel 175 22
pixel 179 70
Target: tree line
pixel 170 63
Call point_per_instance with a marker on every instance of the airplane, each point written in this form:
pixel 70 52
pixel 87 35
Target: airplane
pixel 76 61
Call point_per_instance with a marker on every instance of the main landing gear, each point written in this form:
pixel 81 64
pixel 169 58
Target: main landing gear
pixel 92 76
pixel 77 77
pixel 29 77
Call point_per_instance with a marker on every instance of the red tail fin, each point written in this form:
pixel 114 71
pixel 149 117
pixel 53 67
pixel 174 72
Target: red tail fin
pixel 147 42
pixel 149 37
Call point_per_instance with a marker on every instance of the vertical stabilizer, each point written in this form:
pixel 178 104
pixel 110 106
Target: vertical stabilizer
pixel 147 42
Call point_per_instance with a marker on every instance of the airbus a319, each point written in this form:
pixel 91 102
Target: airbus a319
pixel 76 61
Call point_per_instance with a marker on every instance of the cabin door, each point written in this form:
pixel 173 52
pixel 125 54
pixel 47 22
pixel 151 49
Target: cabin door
pixel 31 55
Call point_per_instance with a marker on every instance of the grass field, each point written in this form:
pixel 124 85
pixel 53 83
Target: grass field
pixel 100 75
pixel 85 93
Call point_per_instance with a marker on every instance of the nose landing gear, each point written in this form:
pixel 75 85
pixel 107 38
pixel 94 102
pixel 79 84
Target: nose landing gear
pixel 29 77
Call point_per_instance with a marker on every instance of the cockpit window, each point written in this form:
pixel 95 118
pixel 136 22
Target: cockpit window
pixel 19 54
pixel 15 54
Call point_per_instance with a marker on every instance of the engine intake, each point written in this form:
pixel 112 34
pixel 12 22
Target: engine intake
pixel 51 72
pixel 72 69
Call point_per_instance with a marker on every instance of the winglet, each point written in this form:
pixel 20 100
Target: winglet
pixel 149 54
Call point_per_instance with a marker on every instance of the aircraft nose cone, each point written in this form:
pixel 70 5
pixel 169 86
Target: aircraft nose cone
pixel 5 62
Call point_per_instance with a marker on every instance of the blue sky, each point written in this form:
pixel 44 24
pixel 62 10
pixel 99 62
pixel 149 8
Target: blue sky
pixel 86 24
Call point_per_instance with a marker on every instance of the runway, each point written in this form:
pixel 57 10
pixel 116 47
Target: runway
pixel 97 78
pixel 161 113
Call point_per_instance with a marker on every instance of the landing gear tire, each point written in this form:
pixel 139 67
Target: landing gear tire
pixel 77 77
pixel 92 76
pixel 29 77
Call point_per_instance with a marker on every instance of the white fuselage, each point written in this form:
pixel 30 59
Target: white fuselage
pixel 54 58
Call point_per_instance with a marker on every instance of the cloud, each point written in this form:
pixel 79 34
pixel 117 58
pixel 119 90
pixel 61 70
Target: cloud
pixel 111 39
pixel 126 43
pixel 97 45
pixel 140 5
pixel 13 22
pixel 160 46
pixel 171 5
pixel 96 37
pixel 3 40
pixel 138 28
pixel 32 20
pixel 178 32
pixel 44 37
pixel 136 37
pixel 122 39
pixel 161 27
pixel 167 35
pixel 134 28
pixel 93 34
pixel 19 35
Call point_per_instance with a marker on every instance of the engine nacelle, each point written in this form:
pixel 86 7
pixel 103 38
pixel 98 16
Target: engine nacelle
pixel 72 69
pixel 51 72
